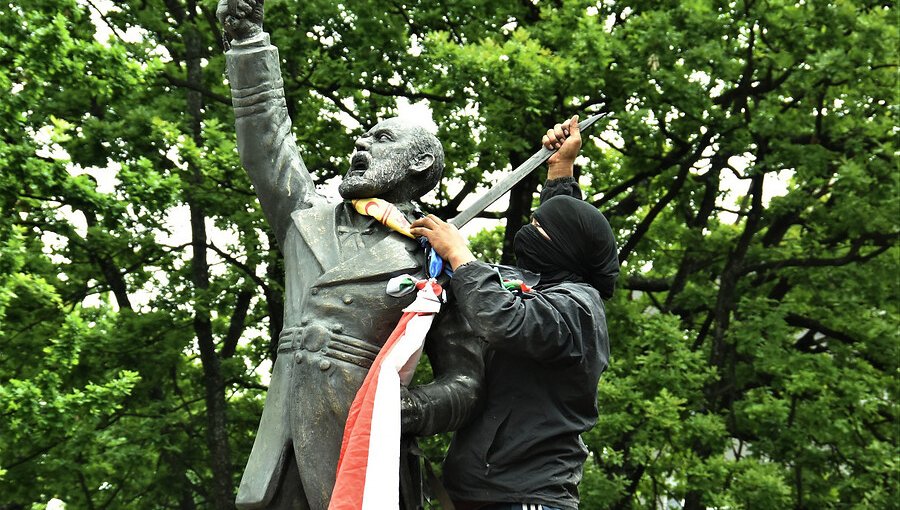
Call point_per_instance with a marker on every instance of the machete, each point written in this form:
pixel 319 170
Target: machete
pixel 499 189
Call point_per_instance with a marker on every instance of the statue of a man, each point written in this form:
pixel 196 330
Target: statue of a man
pixel 337 264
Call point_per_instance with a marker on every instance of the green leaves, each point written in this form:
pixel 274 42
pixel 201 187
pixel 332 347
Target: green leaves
pixel 748 164
pixel 49 401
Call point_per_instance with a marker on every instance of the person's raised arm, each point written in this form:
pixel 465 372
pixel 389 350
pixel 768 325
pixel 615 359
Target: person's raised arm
pixel 566 137
pixel 265 141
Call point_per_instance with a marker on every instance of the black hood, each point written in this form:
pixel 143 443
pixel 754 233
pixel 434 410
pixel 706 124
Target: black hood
pixel 581 246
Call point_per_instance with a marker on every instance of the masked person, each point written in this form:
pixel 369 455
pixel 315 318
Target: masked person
pixel 546 348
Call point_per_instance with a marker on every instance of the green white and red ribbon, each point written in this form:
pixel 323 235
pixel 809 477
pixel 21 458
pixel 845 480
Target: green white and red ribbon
pixel 368 474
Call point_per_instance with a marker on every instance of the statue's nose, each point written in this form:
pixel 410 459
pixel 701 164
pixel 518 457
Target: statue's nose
pixel 363 143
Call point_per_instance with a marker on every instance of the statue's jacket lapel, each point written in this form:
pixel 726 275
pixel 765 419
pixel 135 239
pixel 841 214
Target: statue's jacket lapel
pixel 393 255
pixel 317 228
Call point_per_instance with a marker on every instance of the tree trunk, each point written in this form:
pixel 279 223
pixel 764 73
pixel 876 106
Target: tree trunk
pixel 222 492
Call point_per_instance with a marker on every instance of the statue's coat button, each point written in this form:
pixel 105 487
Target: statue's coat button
pixel 347 299
pixel 314 291
pixel 298 357
pixel 324 365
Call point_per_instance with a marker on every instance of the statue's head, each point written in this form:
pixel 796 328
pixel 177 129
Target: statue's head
pixel 395 160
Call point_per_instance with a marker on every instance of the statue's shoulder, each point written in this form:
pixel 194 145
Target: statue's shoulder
pixel 317 212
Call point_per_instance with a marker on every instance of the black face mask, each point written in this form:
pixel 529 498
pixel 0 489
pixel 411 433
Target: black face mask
pixel 535 253
pixel 581 245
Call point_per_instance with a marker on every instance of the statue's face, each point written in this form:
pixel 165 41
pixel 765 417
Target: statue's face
pixel 381 163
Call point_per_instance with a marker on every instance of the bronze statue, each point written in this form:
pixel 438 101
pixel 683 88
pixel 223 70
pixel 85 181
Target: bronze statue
pixel 337 264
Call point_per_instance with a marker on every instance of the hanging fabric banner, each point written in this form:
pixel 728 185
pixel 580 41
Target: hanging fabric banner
pixel 368 469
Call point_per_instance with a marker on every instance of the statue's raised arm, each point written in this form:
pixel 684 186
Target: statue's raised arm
pixel 265 141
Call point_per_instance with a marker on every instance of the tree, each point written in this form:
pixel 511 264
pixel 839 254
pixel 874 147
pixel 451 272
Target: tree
pixel 748 166
pixel 167 363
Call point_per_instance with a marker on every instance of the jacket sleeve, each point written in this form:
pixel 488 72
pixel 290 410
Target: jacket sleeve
pixel 545 326
pixel 265 142
pixel 457 362
pixel 562 186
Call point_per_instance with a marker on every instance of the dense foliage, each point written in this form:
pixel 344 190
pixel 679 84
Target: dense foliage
pixel 748 163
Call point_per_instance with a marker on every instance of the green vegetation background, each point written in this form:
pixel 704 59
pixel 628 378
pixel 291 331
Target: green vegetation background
pixel 749 166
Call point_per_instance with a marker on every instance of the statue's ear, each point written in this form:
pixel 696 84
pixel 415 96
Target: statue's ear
pixel 421 162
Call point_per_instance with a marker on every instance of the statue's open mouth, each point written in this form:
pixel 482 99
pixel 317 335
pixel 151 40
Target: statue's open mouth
pixel 359 163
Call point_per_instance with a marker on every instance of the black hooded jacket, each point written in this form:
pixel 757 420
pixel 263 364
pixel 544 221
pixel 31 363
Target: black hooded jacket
pixel 546 352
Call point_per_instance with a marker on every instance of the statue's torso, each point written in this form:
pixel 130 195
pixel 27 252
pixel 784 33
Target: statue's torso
pixel 336 277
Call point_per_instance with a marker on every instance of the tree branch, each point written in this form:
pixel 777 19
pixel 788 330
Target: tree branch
pixel 646 284
pixel 237 324
pixel 112 27
pixel 451 208
pixel 852 256
pixel 657 208
pixel 401 92
pixel 240 265
pixel 814 325
pixel 178 82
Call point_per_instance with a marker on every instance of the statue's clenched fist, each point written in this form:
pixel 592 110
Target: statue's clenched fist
pixel 242 19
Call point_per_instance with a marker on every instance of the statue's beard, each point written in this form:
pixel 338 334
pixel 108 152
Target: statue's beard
pixel 368 177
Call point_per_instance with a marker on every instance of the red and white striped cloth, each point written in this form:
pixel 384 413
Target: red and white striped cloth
pixel 368 473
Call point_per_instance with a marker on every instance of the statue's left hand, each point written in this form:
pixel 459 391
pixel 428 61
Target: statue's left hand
pixel 242 19
pixel 444 238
